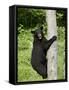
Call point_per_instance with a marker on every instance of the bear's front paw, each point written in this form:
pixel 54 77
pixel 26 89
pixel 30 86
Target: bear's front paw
pixel 54 37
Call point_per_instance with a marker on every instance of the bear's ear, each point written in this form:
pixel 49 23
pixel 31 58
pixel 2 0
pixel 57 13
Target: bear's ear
pixel 32 32
pixel 41 27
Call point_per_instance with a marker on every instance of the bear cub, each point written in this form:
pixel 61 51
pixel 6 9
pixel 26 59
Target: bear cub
pixel 39 51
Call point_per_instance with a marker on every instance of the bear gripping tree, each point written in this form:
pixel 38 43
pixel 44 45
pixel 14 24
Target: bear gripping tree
pixel 52 53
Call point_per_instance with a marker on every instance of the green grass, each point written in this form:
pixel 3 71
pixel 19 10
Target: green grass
pixel 25 70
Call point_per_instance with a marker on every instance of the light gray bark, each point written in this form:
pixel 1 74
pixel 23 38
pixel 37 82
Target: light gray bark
pixel 52 52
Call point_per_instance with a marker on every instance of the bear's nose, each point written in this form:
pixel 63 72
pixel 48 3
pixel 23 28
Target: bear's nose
pixel 39 36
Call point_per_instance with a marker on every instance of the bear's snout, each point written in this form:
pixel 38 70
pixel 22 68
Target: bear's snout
pixel 39 36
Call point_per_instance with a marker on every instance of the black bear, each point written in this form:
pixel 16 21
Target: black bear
pixel 39 51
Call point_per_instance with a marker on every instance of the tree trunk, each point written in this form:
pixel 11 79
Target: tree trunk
pixel 52 52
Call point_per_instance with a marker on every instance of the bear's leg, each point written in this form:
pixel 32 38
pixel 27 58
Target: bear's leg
pixel 44 62
pixel 41 69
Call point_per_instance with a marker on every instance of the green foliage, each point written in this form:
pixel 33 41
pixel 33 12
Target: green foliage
pixel 61 17
pixel 31 17
pixel 61 52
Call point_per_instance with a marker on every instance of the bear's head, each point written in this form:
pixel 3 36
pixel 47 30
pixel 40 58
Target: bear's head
pixel 38 33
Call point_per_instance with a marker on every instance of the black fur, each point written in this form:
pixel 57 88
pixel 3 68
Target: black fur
pixel 39 52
